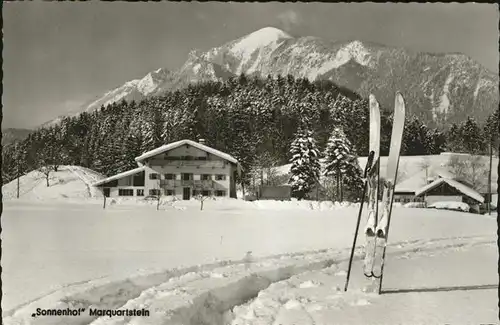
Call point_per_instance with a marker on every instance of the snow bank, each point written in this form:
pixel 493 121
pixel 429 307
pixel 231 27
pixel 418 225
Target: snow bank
pixel 435 294
pixel 73 182
pixel 414 205
pixel 450 205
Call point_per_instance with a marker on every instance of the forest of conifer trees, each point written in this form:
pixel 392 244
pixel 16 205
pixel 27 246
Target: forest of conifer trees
pixel 246 117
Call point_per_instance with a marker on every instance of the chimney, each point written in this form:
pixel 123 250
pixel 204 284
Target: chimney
pixel 201 141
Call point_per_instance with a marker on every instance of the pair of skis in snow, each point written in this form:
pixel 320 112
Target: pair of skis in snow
pixel 376 230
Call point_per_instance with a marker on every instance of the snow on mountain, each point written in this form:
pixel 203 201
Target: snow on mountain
pixel 355 51
pixel 134 89
pixel 257 40
pixel 437 87
pixel 256 46
pixel 444 105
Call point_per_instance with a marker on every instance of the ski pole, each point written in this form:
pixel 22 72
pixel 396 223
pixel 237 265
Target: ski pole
pixel 386 239
pixel 367 168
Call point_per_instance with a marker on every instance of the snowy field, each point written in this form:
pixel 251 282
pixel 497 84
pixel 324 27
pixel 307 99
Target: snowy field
pixel 124 257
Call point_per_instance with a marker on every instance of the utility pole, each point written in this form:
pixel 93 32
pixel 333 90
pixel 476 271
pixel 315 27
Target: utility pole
pixel 17 167
pixel 18 179
pixel 489 178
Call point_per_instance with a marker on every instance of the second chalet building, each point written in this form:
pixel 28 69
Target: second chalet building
pixel 182 169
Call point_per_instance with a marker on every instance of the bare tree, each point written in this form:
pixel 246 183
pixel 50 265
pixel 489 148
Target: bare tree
pixel 202 199
pixel 457 166
pixel 263 169
pixel 158 196
pixel 425 165
pixel 472 170
pixel 478 172
pixel 48 159
pixel 46 170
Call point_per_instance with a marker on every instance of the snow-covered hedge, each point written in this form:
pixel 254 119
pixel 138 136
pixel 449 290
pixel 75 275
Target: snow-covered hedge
pixel 450 205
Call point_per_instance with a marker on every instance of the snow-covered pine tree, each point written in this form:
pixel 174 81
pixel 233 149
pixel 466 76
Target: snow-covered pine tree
pixel 453 139
pixel 357 125
pixel 436 141
pixel 305 169
pixel 352 180
pixel 340 109
pixel 243 143
pixel 170 121
pixel 472 137
pixel 19 156
pixel 152 125
pixel 491 131
pixel 132 145
pixel 340 160
pixel 416 138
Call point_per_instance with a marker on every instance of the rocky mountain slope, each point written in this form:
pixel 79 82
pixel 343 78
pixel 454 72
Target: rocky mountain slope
pixel 11 135
pixel 439 88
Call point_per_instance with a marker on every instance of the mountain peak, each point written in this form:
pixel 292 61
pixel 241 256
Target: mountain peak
pixel 278 33
pixel 357 51
pixel 259 39
pixel 150 82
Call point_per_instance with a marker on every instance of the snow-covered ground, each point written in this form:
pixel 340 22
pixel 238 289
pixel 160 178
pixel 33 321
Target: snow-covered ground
pixel 69 182
pixel 61 249
pixel 187 266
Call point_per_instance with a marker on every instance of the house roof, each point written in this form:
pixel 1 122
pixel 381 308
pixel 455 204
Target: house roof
pixel 418 180
pixel 457 185
pixel 177 144
pixel 120 175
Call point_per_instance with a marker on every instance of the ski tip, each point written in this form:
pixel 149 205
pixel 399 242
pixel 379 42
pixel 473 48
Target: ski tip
pixel 380 233
pixel 399 98
pixel 369 232
pixel 373 100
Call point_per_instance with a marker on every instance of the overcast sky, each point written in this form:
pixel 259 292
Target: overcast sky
pixel 59 54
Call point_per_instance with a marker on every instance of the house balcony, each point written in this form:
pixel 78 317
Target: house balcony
pixel 197 184
pixel 189 163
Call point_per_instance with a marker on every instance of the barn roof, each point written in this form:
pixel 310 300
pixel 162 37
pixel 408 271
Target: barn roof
pixel 464 189
pixel 119 175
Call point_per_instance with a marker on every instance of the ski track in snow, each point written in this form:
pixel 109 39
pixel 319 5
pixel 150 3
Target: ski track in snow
pixel 227 292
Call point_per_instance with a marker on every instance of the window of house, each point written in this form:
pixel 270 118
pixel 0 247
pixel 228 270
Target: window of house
pixel 125 192
pixel 206 177
pixel 171 192
pixel 126 181
pixel 220 177
pixel 139 193
pixel 220 193
pixel 205 193
pixel 169 176
pixel 154 192
pixel 153 176
pixel 139 179
pixel 187 177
